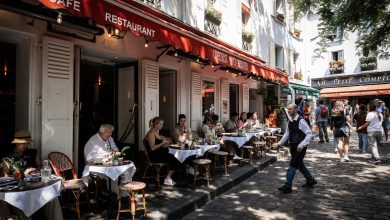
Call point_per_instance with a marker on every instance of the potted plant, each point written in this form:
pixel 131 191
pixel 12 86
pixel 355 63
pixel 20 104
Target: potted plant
pixel 297 32
pixel 336 66
pixel 213 15
pixel 247 36
pixel 298 75
pixel 367 63
pixel 279 17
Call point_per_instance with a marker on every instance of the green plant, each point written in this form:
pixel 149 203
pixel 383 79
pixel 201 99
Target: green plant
pixel 248 35
pixel 280 16
pixel 279 116
pixel 214 14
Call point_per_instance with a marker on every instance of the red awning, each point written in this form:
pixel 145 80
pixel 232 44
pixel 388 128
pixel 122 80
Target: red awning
pixel 367 90
pixel 139 19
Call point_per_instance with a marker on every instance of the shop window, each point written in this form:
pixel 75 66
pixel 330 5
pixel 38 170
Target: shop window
pixel 208 97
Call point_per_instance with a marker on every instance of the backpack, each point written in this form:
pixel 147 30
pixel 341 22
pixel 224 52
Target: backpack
pixel 324 112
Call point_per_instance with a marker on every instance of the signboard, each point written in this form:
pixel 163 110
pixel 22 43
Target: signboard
pixel 352 80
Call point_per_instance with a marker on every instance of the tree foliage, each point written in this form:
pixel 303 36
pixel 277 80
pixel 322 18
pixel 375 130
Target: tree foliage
pixel 369 18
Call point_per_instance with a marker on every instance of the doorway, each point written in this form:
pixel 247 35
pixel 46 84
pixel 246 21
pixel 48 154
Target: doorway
pixel 7 96
pixel 234 98
pixel 167 100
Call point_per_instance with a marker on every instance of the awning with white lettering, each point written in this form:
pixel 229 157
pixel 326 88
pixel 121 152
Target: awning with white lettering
pixel 367 90
pixel 156 26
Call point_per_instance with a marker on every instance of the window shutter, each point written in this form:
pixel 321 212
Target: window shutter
pixel 225 100
pixel 245 98
pixel 196 101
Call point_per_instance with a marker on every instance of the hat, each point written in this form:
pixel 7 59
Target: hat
pixel 22 137
pixel 377 100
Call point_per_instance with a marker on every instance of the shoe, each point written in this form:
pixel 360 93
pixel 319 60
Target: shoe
pixel 169 182
pixel 327 140
pixel 341 160
pixel 374 161
pixel 336 151
pixel 363 152
pixel 321 142
pixel 235 157
pixel 346 159
pixel 310 184
pixel 285 189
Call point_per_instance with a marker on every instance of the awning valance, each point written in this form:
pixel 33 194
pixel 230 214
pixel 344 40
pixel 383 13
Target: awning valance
pixel 368 90
pixel 302 90
pixel 135 17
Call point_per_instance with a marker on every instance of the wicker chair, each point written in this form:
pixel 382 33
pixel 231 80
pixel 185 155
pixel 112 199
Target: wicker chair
pixel 156 166
pixel 62 165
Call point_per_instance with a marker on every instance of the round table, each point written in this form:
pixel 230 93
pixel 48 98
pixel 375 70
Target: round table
pixel 34 195
pixel 200 150
pixel 112 171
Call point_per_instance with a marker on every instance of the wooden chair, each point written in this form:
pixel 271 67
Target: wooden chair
pixel 205 164
pixel 62 165
pixel 156 166
pixel 216 155
pixel 248 150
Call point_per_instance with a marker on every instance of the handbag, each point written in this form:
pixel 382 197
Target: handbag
pixel 315 128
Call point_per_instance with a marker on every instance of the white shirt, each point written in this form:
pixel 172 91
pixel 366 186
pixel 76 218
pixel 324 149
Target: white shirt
pixel 375 123
pixel 96 147
pixel 304 127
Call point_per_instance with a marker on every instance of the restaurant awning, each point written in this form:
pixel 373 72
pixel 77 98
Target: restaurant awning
pixel 367 90
pixel 156 26
pixel 301 90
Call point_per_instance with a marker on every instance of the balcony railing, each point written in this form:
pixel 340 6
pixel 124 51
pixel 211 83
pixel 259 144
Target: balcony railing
pixel 153 3
pixel 212 27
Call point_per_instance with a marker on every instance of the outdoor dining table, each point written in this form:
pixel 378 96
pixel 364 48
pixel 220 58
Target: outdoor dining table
pixel 241 140
pixel 33 196
pixel 200 150
pixel 111 171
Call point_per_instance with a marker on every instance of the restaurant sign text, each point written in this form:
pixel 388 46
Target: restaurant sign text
pixel 352 80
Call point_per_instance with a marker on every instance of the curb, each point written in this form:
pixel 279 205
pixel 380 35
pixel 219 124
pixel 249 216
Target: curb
pixel 198 197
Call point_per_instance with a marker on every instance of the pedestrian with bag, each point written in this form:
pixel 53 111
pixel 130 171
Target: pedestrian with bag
pixel 321 118
pixel 342 131
pixel 360 118
pixel 299 135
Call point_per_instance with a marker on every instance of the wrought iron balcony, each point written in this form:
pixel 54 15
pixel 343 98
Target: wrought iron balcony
pixel 247 46
pixel 212 27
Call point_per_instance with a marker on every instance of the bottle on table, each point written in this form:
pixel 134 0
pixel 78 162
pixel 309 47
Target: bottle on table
pixel 45 172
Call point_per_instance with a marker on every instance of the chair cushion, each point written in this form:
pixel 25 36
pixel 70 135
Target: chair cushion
pixel 247 147
pixel 74 184
pixel 134 185
pixel 202 161
pixel 259 143
pixel 219 153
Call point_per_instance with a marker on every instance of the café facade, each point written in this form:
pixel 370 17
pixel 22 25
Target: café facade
pixel 357 88
pixel 76 64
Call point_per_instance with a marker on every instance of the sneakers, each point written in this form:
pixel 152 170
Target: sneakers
pixel 341 159
pixel 346 158
pixel 235 157
pixel 285 189
pixel 310 184
pixel 336 151
pixel 374 161
pixel 321 141
pixel 327 140
pixel 169 182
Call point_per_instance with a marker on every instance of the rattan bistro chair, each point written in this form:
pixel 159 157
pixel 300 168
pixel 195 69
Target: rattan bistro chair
pixel 62 165
pixel 156 166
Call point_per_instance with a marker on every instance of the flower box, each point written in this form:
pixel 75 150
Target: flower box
pixel 248 36
pixel 279 17
pixel 367 63
pixel 298 75
pixel 297 32
pixel 336 66
pixel 213 15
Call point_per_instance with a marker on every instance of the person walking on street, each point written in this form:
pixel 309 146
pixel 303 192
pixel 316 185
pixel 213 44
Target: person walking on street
pixel 299 135
pixel 307 113
pixel 374 131
pixel 360 118
pixel 342 130
pixel 321 119
pixel 385 123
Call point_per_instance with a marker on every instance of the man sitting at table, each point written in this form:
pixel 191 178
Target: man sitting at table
pixel 101 145
pixel 52 209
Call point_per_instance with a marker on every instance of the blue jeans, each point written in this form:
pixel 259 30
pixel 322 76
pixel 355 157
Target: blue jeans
pixel 363 141
pixel 296 163
pixel 322 131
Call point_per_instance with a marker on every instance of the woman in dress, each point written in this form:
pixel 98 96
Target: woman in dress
pixel 181 130
pixel 341 130
pixel 157 148
pixel 242 121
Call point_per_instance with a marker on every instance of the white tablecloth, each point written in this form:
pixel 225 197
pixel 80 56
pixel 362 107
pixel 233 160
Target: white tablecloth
pixel 29 201
pixel 182 155
pixel 248 135
pixel 113 172
pixel 239 140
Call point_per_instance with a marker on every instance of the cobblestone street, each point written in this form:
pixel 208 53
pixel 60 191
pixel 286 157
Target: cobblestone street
pixel 349 190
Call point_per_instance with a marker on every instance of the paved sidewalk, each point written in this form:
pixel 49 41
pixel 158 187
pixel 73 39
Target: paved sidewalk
pixel 354 190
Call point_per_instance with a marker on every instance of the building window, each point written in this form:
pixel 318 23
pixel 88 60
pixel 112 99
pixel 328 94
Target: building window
pixel 279 57
pixel 208 97
pixel 279 10
pixel 247 35
pixel 336 65
pixel 336 34
pixel 153 3
pixel 296 68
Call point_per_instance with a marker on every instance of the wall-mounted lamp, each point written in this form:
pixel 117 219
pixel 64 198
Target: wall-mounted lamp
pixel 99 80
pixel 5 69
pixel 146 45
pixel 59 18
pixel 115 32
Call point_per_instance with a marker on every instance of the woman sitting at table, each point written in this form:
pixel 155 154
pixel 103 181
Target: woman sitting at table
pixel 157 148
pixel 181 131
pixel 52 209
pixel 207 126
pixel 242 122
